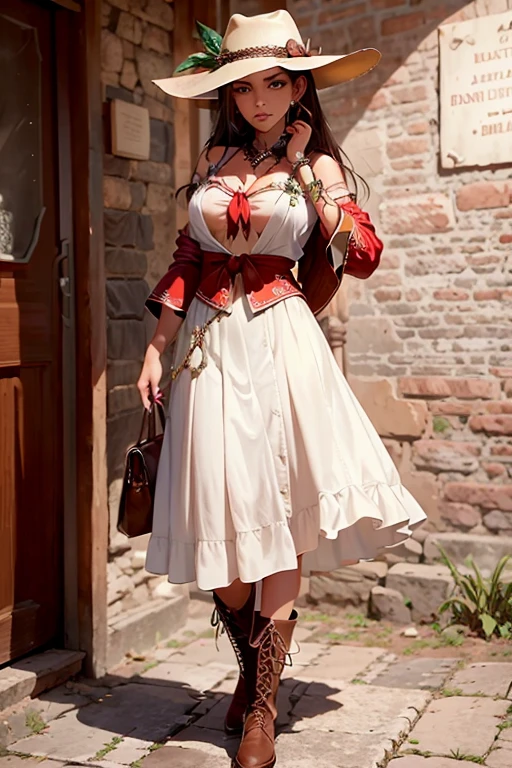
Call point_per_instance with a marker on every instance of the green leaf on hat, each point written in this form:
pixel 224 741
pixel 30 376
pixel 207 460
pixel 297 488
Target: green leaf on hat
pixel 211 39
pixel 201 59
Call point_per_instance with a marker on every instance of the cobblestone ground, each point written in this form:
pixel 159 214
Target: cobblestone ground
pixel 340 706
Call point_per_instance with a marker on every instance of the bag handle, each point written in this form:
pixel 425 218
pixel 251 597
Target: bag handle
pixel 148 426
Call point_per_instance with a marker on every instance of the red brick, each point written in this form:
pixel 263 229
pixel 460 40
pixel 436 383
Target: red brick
pixel 503 373
pixel 501 450
pixel 491 294
pixel 383 4
pixel 385 278
pixel 379 101
pixel 390 260
pixel 507 387
pixel 462 516
pixel 498 406
pixel 420 126
pixel 494 469
pixel 483 194
pixel 479 494
pixel 439 386
pixel 409 94
pixel 418 214
pixel 327 17
pixel 387 294
pixel 491 425
pixel 451 294
pixel 406 163
pixel 405 147
pixel 403 23
pixel 399 77
pixel 505 238
pixel 451 409
pixel 477 260
pixel 413 295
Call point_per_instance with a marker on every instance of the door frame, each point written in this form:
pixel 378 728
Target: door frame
pixel 86 514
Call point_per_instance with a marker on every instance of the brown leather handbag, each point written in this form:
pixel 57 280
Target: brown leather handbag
pixel 138 493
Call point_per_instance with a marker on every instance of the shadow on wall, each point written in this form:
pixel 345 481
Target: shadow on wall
pixel 397 28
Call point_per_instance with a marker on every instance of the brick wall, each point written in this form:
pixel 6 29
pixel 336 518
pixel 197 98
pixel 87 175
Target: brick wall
pixel 139 234
pixel 429 349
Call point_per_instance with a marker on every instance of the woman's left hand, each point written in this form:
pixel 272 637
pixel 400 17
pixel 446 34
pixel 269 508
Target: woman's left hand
pixel 301 134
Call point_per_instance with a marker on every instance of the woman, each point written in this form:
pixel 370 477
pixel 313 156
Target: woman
pixel 270 466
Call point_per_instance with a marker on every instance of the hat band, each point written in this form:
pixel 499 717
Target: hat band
pixel 226 57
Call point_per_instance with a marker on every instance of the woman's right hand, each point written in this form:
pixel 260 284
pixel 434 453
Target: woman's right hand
pixel 150 376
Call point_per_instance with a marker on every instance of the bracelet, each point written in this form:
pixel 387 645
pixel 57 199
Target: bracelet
pixel 298 163
pixel 314 189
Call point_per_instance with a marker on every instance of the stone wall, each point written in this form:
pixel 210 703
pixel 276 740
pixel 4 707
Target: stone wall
pixel 429 350
pixel 137 41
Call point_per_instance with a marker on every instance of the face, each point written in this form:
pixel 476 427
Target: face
pixel 263 99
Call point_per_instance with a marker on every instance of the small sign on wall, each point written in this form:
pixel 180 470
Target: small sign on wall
pixel 476 91
pixel 130 130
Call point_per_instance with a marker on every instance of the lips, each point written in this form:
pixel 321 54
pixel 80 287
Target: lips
pixel 261 116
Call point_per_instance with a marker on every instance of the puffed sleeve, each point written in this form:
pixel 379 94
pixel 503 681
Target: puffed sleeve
pixel 356 242
pixel 179 285
pixel 352 249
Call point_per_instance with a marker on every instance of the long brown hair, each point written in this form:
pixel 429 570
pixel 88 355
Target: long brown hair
pixel 232 130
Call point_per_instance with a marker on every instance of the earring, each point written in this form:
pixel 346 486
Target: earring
pixel 292 103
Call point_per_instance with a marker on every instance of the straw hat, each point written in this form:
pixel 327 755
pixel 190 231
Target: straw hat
pixel 255 43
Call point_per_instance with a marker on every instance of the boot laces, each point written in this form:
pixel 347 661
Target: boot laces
pixel 271 661
pixel 222 624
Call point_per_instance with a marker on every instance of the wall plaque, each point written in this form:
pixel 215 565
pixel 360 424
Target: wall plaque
pixel 130 130
pixel 476 91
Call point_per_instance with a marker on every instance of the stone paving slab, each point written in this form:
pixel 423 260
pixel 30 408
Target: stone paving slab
pixel 144 713
pixel 345 662
pixel 13 761
pixel 501 756
pixel 425 674
pixel 416 761
pixel 204 651
pixel 207 740
pixel 489 679
pixel 178 757
pixel 358 709
pixel 195 677
pixel 308 653
pixel 460 722
pixel 312 748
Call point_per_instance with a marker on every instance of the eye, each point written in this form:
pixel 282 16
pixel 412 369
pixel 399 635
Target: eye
pixel 241 89
pixel 277 83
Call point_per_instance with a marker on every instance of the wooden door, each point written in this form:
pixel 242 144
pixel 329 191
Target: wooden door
pixel 30 333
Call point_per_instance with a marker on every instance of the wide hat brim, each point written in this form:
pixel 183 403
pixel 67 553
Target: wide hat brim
pixel 327 71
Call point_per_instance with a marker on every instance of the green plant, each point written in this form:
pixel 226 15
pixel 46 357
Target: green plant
pixel 149 665
pixel 34 722
pixel 458 755
pixel 357 620
pixel 483 605
pixel 440 424
pixel 174 644
pixel 101 753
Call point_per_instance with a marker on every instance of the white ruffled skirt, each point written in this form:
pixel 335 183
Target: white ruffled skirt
pixel 268 454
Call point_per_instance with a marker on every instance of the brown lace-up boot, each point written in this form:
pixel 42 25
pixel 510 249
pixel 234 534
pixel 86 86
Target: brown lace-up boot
pixel 270 640
pixel 237 625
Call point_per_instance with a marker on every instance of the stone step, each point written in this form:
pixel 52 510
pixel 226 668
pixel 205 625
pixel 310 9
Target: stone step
pixel 485 550
pixel 37 673
pixel 139 629
pixel 423 587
